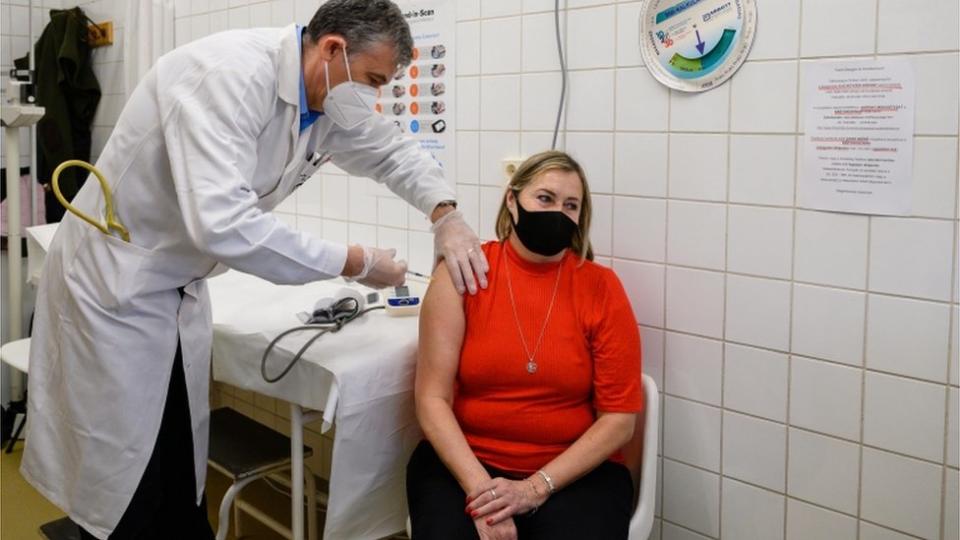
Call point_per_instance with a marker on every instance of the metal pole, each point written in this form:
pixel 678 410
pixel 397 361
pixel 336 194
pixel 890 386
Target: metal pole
pixel 34 193
pixel 13 249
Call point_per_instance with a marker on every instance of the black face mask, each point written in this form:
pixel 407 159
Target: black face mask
pixel 544 233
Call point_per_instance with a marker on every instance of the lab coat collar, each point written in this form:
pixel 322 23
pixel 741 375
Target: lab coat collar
pixel 307 115
pixel 290 70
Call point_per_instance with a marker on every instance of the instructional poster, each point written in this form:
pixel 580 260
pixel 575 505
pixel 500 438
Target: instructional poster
pixel 420 99
pixel 695 45
pixel 858 141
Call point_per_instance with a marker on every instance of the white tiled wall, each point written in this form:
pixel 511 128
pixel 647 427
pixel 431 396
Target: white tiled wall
pixel 809 359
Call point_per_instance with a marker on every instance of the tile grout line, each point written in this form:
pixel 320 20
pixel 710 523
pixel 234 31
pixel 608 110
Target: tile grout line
pixel 663 295
pixel 800 60
pixel 698 132
pixel 841 288
pixel 863 379
pixel 943 469
pixel 951 346
pixel 793 269
pixel 613 183
pixel 726 288
pixel 951 353
pixel 480 129
pixel 866 313
pixel 565 26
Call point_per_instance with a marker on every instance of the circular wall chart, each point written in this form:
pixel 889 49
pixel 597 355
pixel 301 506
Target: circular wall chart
pixel 696 45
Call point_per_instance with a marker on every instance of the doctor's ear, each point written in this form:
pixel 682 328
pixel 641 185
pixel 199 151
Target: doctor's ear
pixel 330 45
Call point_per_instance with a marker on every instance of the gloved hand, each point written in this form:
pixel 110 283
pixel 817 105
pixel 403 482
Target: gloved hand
pixel 380 270
pixel 458 245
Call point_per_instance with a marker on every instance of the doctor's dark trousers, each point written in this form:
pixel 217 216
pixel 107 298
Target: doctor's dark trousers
pixel 164 504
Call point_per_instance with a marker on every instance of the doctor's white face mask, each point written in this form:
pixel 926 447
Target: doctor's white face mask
pixel 349 103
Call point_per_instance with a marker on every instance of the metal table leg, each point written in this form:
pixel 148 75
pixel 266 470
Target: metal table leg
pixel 311 504
pixel 296 471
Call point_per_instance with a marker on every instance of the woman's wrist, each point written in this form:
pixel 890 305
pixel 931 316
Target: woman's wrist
pixel 475 480
pixel 547 481
pixel 538 490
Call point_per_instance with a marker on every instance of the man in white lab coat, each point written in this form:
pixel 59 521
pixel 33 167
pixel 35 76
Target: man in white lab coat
pixel 217 134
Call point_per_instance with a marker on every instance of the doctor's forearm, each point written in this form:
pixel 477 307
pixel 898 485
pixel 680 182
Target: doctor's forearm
pixel 354 264
pixel 439 211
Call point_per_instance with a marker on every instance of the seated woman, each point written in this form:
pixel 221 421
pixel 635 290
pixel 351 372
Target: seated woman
pixel 527 390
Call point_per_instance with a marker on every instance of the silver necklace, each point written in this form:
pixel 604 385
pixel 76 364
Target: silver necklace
pixel 531 365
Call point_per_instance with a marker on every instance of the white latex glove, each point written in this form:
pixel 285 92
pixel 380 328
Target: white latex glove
pixel 380 270
pixel 458 245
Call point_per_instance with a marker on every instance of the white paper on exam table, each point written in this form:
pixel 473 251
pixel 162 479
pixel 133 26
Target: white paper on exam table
pixel 373 354
pixel 38 243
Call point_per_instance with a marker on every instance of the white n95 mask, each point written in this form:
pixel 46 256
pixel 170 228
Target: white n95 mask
pixel 348 104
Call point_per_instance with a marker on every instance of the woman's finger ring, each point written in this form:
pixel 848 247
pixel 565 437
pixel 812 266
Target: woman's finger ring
pixel 493 493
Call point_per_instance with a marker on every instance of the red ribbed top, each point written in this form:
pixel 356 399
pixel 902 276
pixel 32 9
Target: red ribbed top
pixel 589 359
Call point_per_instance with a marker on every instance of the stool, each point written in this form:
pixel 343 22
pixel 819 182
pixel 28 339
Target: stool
pixel 61 529
pixel 17 355
pixel 245 450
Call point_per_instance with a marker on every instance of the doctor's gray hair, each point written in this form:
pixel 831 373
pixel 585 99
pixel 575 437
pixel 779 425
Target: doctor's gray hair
pixel 364 23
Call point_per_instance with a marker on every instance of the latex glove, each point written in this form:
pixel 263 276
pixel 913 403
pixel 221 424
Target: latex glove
pixel 458 245
pixel 380 270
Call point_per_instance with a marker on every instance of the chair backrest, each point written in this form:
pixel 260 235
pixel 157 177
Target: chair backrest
pixel 16 354
pixel 640 456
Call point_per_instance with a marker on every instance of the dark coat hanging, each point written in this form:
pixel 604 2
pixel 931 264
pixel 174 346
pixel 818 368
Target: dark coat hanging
pixel 68 89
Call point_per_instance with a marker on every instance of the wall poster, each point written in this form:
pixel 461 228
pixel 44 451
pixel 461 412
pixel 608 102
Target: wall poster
pixel 858 140
pixel 420 100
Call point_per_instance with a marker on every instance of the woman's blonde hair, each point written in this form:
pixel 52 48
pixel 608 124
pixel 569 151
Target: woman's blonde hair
pixel 529 170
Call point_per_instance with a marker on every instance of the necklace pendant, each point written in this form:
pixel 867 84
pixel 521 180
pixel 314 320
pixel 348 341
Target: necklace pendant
pixel 531 367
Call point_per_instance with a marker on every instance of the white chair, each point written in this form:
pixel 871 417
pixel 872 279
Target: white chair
pixel 640 455
pixel 16 354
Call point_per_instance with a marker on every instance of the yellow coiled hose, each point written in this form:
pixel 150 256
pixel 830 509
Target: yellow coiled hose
pixel 112 225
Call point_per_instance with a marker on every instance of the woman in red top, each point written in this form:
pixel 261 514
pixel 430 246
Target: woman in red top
pixel 527 390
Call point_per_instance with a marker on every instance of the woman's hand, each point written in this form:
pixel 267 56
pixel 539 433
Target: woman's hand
pixel 505 530
pixel 499 499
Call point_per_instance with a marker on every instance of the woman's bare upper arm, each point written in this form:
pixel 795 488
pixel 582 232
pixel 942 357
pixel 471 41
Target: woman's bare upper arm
pixel 442 325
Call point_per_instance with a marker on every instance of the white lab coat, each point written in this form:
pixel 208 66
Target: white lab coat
pixel 207 145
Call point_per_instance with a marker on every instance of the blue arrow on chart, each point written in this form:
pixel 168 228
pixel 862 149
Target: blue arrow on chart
pixel 700 43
